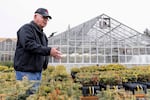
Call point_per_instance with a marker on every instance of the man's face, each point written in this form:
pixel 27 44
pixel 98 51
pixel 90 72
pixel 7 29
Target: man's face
pixel 40 20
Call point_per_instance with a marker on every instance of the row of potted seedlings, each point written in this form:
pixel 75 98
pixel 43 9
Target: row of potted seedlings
pixel 135 78
pixel 56 82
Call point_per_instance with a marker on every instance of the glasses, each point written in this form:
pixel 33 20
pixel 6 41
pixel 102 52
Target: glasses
pixel 44 17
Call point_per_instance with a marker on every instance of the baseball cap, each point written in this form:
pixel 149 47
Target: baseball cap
pixel 43 12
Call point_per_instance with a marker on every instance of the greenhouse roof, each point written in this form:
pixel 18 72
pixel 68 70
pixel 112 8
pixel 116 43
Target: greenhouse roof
pixel 105 28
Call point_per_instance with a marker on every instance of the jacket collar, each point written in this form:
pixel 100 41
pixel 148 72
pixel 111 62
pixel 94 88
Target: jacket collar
pixel 36 27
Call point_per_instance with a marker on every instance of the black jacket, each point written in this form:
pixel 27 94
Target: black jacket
pixel 31 53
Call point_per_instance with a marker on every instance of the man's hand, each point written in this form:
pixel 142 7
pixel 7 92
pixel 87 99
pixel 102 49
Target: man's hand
pixel 55 53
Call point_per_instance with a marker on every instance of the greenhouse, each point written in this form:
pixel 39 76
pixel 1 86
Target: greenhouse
pixel 102 40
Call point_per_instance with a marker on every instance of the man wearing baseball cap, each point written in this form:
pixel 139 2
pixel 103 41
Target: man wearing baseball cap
pixel 43 12
pixel 32 51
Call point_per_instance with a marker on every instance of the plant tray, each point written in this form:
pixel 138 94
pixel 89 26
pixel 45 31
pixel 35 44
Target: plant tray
pixel 145 83
pixel 134 86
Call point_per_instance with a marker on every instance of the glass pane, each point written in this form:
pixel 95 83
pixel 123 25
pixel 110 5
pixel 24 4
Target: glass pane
pixel 122 59
pixel 148 50
pixel 129 51
pixel 142 51
pixel 101 59
pixel 115 51
pixel 79 55
pixel 135 51
pixel 108 59
pixel 64 42
pixel 115 59
pixel 86 58
pixel 79 58
pixel 93 58
pixel 79 50
pixel 71 54
pixel 86 55
pixel 64 54
pixel 72 43
pixel 131 59
pixel 122 51
pixel 108 51
pixel 101 51
pixel 71 58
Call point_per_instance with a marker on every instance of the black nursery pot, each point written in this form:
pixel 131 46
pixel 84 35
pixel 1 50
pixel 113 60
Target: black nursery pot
pixel 133 86
pixel 104 86
pixel 145 83
pixel 73 75
pixel 90 90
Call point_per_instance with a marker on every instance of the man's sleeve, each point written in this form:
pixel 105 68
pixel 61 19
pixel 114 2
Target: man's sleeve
pixel 46 62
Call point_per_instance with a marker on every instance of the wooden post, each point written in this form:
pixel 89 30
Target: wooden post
pixel 140 96
pixel 2 96
pixel 89 98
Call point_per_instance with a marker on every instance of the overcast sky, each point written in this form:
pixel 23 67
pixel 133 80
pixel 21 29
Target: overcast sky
pixel 15 13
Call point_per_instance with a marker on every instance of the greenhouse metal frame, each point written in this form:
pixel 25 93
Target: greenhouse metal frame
pixel 101 40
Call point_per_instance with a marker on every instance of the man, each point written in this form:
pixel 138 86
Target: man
pixel 32 52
